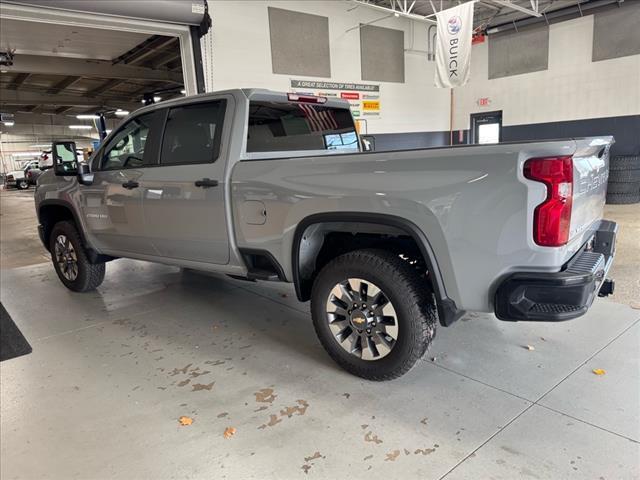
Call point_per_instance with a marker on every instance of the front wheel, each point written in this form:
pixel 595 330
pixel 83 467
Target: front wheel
pixel 70 260
pixel 373 313
pixel 22 185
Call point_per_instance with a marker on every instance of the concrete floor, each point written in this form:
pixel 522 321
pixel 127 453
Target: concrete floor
pixel 112 372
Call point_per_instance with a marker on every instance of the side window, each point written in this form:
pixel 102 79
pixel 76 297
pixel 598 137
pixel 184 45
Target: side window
pixel 193 133
pixel 126 149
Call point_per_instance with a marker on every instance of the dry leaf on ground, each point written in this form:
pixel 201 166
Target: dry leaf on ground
pixel 229 432
pixel 598 371
pixel 184 421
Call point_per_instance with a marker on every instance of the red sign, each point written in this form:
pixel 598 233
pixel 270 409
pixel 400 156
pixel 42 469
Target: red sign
pixel 478 39
pixel 350 95
pixel 483 102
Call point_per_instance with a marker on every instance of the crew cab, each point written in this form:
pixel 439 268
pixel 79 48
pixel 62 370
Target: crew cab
pixel 262 185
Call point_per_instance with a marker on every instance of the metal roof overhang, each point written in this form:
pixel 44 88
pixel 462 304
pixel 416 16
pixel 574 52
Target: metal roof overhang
pixel 190 12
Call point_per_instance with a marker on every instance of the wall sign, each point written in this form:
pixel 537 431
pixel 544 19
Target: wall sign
pixel 364 98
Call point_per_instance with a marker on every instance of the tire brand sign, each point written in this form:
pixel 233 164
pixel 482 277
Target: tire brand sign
pixel 363 98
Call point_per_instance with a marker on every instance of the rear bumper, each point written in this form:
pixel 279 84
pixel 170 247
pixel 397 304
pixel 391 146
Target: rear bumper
pixel 563 295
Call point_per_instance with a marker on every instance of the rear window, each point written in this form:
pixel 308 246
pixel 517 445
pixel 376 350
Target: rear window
pixel 279 126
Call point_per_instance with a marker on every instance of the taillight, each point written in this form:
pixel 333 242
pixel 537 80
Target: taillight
pixel 552 218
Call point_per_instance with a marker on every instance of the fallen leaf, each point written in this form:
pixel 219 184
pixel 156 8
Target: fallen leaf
pixel 184 421
pixel 406 452
pixel 598 371
pixel 346 395
pixel 306 468
pixel 312 457
pixel 223 414
pixel 229 432
pixel 424 421
pixel 424 451
pixel 273 420
pixel 391 456
pixel 370 437
pixel 368 457
pixel 201 386
pixel 265 395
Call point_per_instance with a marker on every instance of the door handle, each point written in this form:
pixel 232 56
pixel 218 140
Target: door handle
pixel 130 185
pixel 206 183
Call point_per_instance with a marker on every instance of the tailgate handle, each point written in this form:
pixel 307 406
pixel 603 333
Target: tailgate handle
pixel 206 183
pixel 130 185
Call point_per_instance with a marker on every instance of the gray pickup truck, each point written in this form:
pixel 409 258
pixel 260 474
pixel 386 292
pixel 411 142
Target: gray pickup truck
pixel 262 185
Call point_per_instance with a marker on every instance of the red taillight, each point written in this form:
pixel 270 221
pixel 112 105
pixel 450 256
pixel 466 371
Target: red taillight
pixel 552 218
pixel 294 97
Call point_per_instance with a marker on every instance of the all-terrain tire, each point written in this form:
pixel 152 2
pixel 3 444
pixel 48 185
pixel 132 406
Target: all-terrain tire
pixel 90 275
pixel 410 296
pixel 623 187
pixel 620 176
pixel 624 162
pixel 622 198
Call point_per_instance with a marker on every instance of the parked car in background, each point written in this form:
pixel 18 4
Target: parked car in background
pixel 23 178
pixel 263 185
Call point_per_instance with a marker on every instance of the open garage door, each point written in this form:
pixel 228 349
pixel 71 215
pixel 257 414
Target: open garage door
pixel 109 58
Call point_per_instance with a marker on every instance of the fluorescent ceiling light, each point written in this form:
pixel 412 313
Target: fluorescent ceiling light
pixel 80 127
pixel 87 117
pixel 183 91
pixel 41 145
pixel 9 123
pixel 121 113
pixel 157 99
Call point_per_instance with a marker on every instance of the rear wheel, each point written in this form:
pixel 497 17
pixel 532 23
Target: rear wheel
pixel 70 260
pixel 373 313
pixel 22 184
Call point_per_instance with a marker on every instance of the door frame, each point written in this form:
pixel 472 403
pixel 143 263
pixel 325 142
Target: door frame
pixel 474 123
pixel 119 24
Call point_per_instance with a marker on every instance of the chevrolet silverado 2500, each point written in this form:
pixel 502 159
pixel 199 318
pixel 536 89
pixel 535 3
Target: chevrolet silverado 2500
pixel 263 185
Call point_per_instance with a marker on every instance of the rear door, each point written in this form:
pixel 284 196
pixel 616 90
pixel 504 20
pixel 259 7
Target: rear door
pixel 112 206
pixel 184 194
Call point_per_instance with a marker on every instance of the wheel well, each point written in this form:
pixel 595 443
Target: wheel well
pixel 322 242
pixel 49 215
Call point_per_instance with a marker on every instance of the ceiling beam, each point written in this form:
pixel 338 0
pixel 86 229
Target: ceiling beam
pixel 393 11
pixel 108 85
pixel 61 110
pixel 508 4
pixel 9 97
pixel 19 80
pixel 141 51
pixel 40 64
pixel 63 84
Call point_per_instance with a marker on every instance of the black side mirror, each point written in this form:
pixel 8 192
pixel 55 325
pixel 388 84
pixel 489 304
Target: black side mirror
pixel 85 177
pixel 65 158
pixel 368 143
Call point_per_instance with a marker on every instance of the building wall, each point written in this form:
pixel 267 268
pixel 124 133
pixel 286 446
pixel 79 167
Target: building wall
pixel 573 87
pixel 238 54
pixel 574 92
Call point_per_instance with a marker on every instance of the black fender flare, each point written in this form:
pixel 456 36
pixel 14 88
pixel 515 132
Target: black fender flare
pixel 448 312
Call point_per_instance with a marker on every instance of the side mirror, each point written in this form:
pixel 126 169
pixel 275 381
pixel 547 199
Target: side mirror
pixel 65 158
pixel 85 177
pixel 368 143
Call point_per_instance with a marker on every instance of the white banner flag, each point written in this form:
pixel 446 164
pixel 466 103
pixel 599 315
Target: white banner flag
pixel 453 47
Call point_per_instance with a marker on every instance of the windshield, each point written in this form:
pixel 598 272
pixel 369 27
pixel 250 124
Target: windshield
pixel 281 126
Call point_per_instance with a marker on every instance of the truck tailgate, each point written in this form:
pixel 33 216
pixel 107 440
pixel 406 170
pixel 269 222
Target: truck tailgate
pixel 590 174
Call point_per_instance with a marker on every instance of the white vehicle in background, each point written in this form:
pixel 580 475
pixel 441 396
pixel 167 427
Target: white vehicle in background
pixel 20 178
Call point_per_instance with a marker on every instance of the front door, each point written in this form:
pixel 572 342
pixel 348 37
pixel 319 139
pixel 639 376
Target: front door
pixel 112 205
pixel 183 196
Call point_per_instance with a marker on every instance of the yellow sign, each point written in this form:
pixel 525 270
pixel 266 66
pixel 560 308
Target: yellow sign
pixel 371 105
